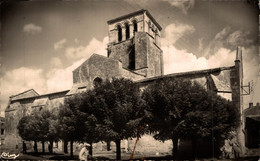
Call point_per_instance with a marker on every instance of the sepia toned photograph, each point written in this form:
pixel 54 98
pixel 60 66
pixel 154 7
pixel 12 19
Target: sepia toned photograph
pixel 129 80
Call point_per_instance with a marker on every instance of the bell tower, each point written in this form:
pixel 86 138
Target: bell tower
pixel 134 40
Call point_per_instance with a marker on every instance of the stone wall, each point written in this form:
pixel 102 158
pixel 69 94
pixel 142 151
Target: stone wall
pixel 96 66
pixel 155 64
pixel 20 108
pixel 151 28
pixel 141 50
pixel 236 83
pixel 147 58
pixel 121 52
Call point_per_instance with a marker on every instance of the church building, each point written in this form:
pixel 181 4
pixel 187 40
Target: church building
pixel 133 52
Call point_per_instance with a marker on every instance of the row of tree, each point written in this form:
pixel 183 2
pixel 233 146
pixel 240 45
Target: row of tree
pixel 114 110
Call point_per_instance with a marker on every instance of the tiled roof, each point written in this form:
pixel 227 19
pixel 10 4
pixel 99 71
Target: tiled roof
pixel 222 82
pixel 25 94
pixel 40 102
pixel 197 73
pixel 77 88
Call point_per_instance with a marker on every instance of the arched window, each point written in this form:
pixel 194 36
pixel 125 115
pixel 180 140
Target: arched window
pixel 119 33
pixel 97 81
pixel 127 33
pixel 135 26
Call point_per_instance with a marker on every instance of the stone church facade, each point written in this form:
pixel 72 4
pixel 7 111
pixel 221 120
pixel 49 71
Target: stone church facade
pixel 134 52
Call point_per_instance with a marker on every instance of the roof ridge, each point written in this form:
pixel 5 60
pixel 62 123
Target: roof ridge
pixel 186 73
pixel 38 96
pixel 24 92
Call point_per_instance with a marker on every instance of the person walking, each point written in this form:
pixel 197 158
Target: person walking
pixel 84 152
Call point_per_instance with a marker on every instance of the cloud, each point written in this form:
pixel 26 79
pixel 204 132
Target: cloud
pixel 228 38
pixel 222 52
pixel 55 61
pixel 19 80
pixel 76 41
pixel 60 44
pixel 62 76
pixel 250 63
pixel 176 60
pixel 78 55
pixel 183 5
pixel 181 61
pixel 238 38
pixel 222 57
pixel 32 29
pixel 223 33
pixel 94 46
pixel 175 31
pixel 200 48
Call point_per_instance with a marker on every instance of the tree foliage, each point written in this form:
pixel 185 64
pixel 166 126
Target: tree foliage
pixel 110 111
pixel 38 126
pixel 25 128
pixel 115 107
pixel 184 109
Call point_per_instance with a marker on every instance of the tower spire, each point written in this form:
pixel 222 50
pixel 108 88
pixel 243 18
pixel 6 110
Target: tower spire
pixel 239 54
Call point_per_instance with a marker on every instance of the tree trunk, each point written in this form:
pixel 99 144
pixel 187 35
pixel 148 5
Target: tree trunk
pixel 108 145
pixel 217 146
pixel 118 150
pixel 175 148
pixel 51 147
pixel 65 146
pixel 24 147
pixel 35 147
pixel 194 146
pixel 71 148
pixel 43 149
pixel 91 149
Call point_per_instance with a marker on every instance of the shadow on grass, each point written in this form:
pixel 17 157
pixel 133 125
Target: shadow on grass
pixel 41 153
pixel 75 157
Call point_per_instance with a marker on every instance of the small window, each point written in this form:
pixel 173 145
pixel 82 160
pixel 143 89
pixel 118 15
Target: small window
pixel 127 34
pixel 119 33
pixel 2 131
pixel 135 26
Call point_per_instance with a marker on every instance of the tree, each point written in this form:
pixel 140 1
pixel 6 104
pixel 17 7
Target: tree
pixel 51 118
pixel 116 109
pixel 213 118
pixel 71 126
pixel 26 130
pixel 75 120
pixel 38 126
pixel 43 122
pixel 84 112
pixel 184 109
